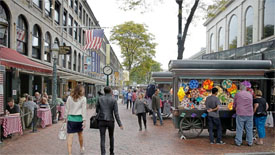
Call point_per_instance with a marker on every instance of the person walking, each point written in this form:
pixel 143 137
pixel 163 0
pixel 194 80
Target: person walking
pixel 212 105
pixel 156 107
pixel 243 103
pixel 106 109
pixel 134 97
pixel 129 99
pixel 75 115
pixel 260 115
pixel 140 110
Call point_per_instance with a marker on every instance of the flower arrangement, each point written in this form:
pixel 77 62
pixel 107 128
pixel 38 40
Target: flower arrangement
pixel 193 84
pixel 226 84
pixel 220 90
pixel 181 94
pixel 195 93
pixel 185 87
pixel 208 84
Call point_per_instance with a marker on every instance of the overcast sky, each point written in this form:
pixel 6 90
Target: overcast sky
pixel 162 21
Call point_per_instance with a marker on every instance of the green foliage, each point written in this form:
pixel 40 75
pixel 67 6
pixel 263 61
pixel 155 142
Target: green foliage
pixel 217 4
pixel 142 73
pixel 142 5
pixel 137 47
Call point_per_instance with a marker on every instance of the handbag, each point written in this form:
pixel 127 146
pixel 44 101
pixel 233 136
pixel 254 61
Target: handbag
pixel 148 110
pixel 269 120
pixel 94 122
pixel 62 132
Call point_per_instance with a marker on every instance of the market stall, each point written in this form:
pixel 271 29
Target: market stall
pixel 164 81
pixel 192 84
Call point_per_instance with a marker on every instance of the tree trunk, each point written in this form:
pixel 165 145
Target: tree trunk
pixel 188 21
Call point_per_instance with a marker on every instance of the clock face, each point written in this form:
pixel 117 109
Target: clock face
pixel 107 70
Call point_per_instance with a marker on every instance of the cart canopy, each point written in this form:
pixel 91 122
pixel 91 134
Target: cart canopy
pixel 220 69
pixel 162 77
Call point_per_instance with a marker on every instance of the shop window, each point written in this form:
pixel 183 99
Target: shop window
pixel 249 26
pixel 57 12
pixel 212 43
pixel 74 64
pixel 65 19
pixel 221 40
pixel 38 3
pixel 269 20
pixel 75 30
pixel 80 11
pixel 79 62
pixel 47 47
pixel 36 42
pixel 233 32
pixel 48 4
pixel 70 23
pixel 76 6
pixel 21 35
pixel 4 25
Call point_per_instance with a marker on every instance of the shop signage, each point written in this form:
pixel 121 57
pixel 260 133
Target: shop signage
pixel 64 50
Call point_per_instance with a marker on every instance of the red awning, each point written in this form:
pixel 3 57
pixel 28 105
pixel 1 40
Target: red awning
pixel 11 58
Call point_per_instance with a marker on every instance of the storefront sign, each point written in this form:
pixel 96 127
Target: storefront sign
pixel 64 50
pixel 13 92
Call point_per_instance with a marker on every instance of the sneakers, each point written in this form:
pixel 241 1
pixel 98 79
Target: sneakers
pixel 212 143
pixel 82 150
pixel 140 129
pixel 221 142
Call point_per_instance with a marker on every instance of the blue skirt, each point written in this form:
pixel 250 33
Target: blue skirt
pixel 74 127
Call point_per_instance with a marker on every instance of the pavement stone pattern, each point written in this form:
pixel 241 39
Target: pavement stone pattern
pixel 157 140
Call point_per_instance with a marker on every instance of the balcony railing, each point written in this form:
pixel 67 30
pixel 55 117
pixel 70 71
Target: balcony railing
pixel 260 51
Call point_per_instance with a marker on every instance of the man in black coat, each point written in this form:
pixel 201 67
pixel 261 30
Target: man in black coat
pixel 106 108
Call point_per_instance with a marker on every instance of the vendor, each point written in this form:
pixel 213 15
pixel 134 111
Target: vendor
pixel 12 109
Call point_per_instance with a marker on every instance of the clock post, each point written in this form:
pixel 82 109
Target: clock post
pixel 107 70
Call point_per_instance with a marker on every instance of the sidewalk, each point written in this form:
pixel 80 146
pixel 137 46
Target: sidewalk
pixel 157 140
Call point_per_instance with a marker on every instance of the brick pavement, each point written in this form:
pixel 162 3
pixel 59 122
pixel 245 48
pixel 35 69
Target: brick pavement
pixel 157 140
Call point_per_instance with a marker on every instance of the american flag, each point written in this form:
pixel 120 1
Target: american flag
pixel 93 39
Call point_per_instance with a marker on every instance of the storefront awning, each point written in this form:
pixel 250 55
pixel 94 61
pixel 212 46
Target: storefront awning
pixel 11 58
pixel 162 77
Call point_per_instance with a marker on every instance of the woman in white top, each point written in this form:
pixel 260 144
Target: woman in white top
pixel 75 114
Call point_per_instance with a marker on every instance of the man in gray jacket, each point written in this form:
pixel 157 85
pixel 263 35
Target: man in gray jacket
pixel 106 108
pixel 156 107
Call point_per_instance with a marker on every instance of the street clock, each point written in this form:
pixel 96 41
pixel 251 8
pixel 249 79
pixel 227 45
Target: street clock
pixel 107 70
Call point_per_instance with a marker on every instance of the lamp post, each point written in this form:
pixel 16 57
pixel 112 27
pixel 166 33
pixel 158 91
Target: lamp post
pixel 55 52
pixel 180 29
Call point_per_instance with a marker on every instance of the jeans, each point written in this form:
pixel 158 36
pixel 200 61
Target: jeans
pixel 217 122
pixel 129 102
pixel 241 123
pixel 143 115
pixel 159 115
pixel 103 125
pixel 133 107
pixel 260 125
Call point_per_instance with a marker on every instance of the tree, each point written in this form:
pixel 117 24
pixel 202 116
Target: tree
pixel 135 42
pixel 143 72
pixel 207 9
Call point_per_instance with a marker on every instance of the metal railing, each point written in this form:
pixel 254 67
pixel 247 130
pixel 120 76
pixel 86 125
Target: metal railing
pixel 260 51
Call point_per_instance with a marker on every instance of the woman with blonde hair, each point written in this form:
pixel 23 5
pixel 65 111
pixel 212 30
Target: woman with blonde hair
pixel 75 114
pixel 260 114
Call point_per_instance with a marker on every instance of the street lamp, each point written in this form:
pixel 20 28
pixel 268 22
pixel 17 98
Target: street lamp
pixel 180 29
pixel 55 52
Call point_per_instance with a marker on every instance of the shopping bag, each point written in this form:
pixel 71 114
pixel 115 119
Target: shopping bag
pixel 62 132
pixel 269 120
pixel 94 122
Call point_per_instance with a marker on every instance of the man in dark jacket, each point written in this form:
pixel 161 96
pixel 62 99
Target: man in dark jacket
pixel 156 107
pixel 107 108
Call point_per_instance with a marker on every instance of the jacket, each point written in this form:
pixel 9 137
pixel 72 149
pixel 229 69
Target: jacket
pixel 155 102
pixel 106 108
pixel 140 106
pixel 76 108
